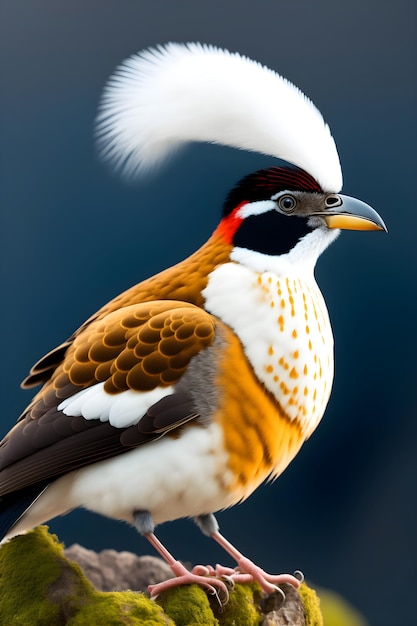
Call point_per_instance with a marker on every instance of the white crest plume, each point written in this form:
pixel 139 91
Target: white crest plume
pixel 163 97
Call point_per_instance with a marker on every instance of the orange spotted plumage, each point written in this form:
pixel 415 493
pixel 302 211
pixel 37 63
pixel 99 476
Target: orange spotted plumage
pixel 259 437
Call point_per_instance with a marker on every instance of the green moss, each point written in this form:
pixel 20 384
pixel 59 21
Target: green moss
pixel 24 580
pixel 311 604
pixel 123 607
pixel 188 606
pixel 40 587
pixel 241 608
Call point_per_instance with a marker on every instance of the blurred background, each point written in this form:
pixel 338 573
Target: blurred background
pixel 73 235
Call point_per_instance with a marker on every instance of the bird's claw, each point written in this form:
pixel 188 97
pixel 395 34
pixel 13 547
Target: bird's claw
pixel 268 582
pixel 298 574
pixel 221 601
pixel 217 581
pixel 229 581
pixel 212 585
pixel 273 601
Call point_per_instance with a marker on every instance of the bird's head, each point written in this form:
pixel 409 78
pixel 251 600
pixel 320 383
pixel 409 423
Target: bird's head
pixel 274 211
pixel 165 97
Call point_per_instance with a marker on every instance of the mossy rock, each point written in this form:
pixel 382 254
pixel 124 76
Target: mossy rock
pixel 39 586
pixel 190 606
pixel 313 614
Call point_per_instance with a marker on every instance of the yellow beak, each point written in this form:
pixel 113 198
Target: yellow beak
pixel 353 214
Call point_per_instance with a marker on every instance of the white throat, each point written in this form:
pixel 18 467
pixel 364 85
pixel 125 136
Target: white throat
pixel 300 261
pixel 275 307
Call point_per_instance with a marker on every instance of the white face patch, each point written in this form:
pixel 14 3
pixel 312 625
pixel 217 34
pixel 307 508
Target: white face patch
pixel 256 208
pixel 120 410
pixel 283 324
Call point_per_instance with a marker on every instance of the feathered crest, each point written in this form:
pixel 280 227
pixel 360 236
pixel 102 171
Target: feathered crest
pixel 164 97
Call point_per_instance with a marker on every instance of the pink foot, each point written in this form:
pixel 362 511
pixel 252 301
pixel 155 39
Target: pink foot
pixel 215 580
pixel 214 586
pixel 247 571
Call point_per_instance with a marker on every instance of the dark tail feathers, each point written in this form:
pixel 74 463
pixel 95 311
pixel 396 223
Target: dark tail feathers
pixel 13 505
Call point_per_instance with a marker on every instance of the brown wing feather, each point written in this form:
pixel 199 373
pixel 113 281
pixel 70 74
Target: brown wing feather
pixel 139 347
pixel 136 348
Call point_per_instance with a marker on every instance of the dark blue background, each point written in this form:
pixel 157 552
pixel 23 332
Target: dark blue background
pixel 73 235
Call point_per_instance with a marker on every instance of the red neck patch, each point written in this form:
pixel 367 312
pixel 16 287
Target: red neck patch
pixel 229 224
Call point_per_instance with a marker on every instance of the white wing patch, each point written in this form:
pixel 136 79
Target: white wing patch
pixel 120 410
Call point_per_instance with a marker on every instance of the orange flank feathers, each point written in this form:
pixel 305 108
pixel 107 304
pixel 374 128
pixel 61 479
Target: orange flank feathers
pixel 258 436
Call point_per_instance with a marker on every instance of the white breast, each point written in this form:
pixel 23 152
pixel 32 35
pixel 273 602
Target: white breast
pixel 283 324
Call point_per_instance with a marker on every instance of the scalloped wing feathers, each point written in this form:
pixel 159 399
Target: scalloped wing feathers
pixel 164 97
pixel 132 357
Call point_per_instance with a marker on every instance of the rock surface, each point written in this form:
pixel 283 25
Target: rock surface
pixel 109 570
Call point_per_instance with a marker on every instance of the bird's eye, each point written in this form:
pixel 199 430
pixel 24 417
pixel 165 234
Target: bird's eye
pixel 287 203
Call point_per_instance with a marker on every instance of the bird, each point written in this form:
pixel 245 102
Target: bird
pixel 185 393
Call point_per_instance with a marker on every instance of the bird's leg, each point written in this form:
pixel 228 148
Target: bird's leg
pixel 214 586
pixel 246 570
